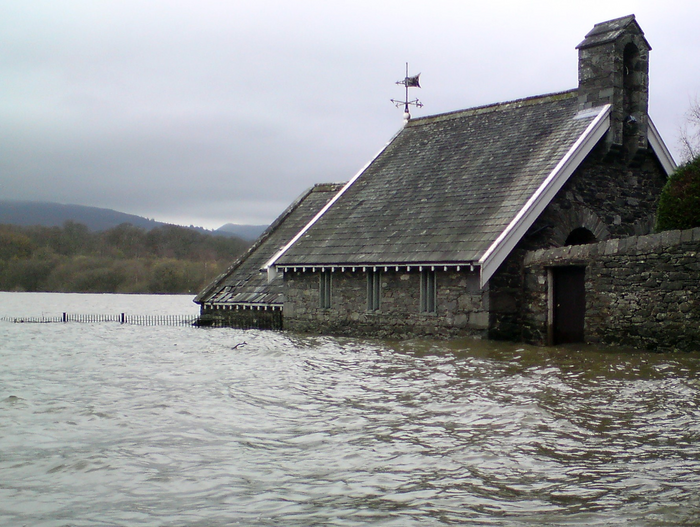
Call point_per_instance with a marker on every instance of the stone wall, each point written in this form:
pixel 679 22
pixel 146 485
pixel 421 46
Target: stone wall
pixel 460 305
pixel 506 297
pixel 241 318
pixel 641 291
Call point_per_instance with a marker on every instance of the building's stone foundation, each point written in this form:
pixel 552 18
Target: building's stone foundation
pixel 241 317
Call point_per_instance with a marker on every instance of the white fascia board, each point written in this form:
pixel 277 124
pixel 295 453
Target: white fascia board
pixel 271 262
pixel 511 235
pixel 659 147
pixel 379 266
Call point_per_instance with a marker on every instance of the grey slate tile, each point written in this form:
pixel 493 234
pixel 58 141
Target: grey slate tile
pixel 455 180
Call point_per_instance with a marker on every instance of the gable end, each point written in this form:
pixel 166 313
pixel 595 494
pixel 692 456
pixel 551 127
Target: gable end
pixel 508 239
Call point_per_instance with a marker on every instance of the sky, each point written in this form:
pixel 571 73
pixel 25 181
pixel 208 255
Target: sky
pixel 209 112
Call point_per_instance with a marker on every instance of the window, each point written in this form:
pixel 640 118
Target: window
pixel 428 292
pixel 324 290
pixel 374 290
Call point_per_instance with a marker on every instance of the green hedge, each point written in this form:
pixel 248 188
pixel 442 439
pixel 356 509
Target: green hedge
pixel 679 205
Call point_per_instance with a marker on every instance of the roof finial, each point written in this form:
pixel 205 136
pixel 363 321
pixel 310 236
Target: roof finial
pixel 408 82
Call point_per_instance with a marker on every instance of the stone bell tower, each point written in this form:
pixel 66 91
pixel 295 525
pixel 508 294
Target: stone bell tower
pixel 613 68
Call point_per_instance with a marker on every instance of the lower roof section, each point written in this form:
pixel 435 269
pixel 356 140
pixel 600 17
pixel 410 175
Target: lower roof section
pixel 243 284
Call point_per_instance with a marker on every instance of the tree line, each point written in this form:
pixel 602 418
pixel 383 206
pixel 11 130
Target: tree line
pixel 124 259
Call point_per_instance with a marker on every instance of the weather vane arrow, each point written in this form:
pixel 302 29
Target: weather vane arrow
pixel 408 82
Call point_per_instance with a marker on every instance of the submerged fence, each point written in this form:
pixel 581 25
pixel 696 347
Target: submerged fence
pixel 121 318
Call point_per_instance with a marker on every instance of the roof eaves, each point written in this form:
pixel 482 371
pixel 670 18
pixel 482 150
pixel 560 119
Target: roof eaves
pixel 248 305
pixel 511 235
pixel 269 265
pixel 659 147
pixel 374 266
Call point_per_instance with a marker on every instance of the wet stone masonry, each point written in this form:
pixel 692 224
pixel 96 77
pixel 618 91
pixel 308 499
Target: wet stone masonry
pixel 460 305
pixel 641 291
pixel 583 202
pixel 241 318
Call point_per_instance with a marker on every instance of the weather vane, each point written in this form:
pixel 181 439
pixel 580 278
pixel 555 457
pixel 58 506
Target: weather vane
pixel 408 82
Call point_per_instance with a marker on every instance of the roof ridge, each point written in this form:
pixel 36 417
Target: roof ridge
pixel 525 101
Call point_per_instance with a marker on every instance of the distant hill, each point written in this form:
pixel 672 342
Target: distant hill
pixel 247 232
pixel 47 214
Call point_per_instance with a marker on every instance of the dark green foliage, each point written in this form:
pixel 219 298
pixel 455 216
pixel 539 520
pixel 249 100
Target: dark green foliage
pixel 26 275
pixel 87 274
pixel 167 276
pixel 679 204
pixel 14 245
pixel 125 259
pixel 125 240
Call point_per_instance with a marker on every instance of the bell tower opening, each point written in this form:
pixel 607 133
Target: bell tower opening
pixel 630 81
pixel 631 95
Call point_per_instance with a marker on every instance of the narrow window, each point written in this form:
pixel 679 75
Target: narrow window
pixel 428 292
pixel 324 290
pixel 374 288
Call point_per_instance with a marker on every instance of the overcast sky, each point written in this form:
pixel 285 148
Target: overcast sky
pixel 207 112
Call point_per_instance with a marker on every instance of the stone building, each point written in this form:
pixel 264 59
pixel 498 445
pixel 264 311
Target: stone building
pixel 430 237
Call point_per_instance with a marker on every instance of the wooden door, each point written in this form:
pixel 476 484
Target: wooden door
pixel 569 304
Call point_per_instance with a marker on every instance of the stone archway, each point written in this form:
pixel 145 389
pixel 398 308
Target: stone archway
pixel 578 225
pixel 575 225
pixel 580 236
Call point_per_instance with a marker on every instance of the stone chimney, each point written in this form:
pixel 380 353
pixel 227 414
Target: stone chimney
pixel 613 68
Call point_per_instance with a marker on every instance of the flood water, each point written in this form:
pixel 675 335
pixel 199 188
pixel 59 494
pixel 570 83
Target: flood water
pixel 109 424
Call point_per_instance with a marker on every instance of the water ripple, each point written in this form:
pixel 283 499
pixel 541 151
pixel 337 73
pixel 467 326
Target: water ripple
pixel 111 425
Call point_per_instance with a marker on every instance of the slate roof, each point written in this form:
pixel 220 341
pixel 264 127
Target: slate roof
pixel 446 187
pixel 243 283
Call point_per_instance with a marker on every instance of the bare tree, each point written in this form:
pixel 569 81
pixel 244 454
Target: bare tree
pixel 690 132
